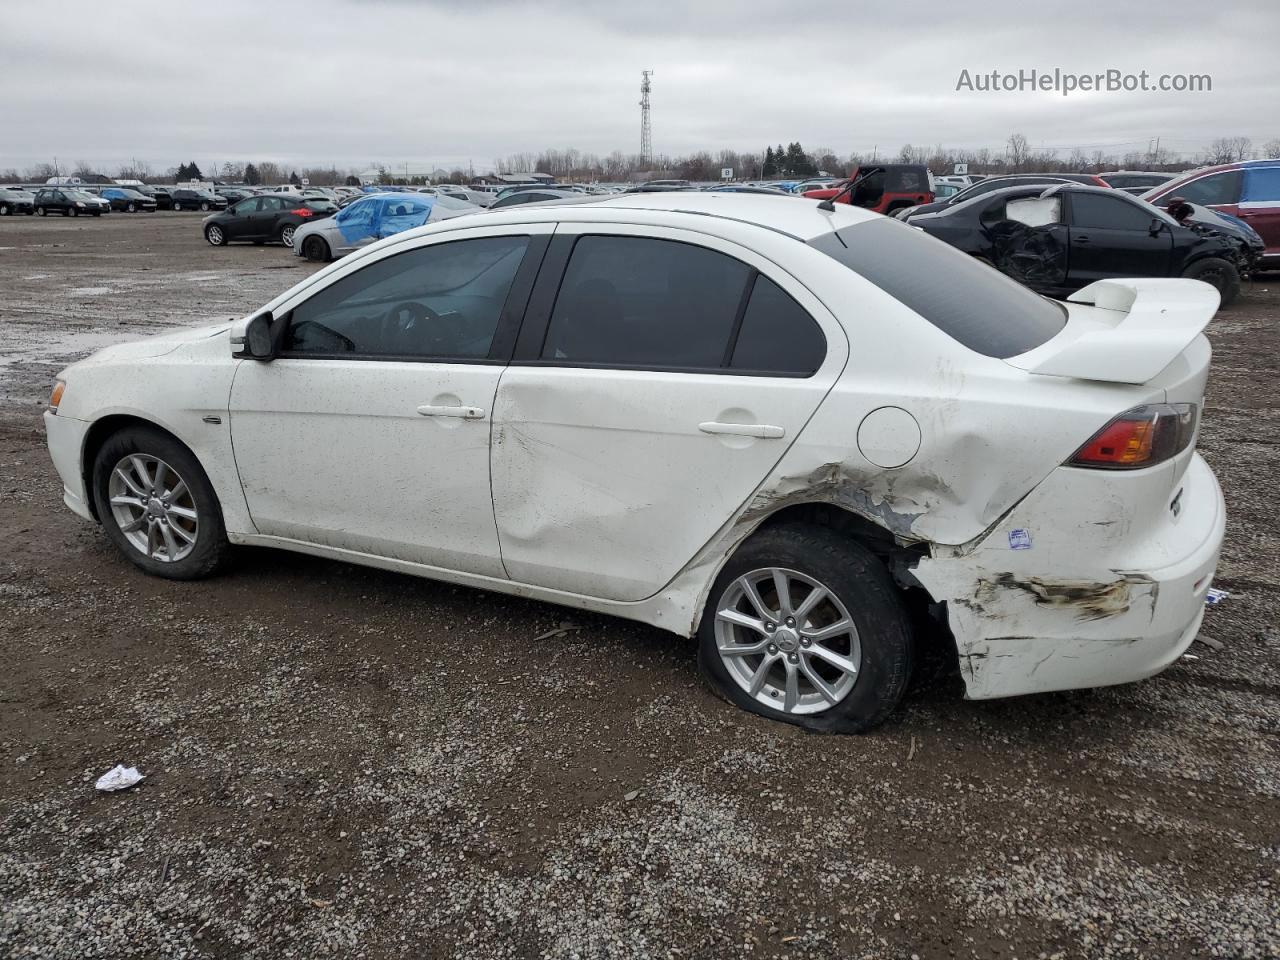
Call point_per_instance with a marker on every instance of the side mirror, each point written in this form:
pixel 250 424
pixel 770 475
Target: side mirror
pixel 258 343
pixel 1156 226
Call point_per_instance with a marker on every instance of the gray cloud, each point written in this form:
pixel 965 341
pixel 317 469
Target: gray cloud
pixel 434 83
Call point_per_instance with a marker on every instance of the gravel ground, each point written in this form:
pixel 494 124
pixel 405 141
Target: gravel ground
pixel 350 763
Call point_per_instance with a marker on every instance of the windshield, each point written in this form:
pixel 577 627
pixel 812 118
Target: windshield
pixel 974 304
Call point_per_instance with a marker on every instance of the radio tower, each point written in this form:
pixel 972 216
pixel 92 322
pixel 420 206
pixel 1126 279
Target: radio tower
pixel 646 131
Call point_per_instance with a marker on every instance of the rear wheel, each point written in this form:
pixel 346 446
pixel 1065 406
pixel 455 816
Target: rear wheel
pixel 157 505
pixel 1217 273
pixel 805 626
pixel 286 235
pixel 314 248
pixel 204 205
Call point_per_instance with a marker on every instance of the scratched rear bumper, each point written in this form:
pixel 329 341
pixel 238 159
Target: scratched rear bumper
pixel 1091 602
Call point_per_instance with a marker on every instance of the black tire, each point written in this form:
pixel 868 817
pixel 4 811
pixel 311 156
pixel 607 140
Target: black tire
pixel 1217 273
pixel 216 236
pixel 286 233
pixel 863 585
pixel 70 212
pixel 177 205
pixel 211 549
pixel 315 248
pixel 43 211
pixel 132 208
pixel 204 206
pixel 4 209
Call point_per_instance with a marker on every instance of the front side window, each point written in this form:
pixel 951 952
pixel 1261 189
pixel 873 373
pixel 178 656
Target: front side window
pixel 443 301
pixel 1110 213
pixel 644 302
pixel 1218 189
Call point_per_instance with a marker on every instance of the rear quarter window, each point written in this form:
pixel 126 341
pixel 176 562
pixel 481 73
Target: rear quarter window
pixel 970 302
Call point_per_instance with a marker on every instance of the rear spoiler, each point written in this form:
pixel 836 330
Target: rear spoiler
pixel 1124 331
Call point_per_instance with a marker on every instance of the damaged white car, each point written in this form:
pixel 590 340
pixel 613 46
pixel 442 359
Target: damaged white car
pixel 781 431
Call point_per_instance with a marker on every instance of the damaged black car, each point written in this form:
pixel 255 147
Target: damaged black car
pixel 1060 239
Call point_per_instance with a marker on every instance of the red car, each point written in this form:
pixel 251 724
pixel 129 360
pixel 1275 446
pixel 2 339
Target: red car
pixel 1249 190
pixel 897 185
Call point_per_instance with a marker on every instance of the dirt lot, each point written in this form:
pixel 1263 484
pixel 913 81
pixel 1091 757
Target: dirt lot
pixel 349 763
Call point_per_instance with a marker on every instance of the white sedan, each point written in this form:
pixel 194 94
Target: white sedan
pixel 795 434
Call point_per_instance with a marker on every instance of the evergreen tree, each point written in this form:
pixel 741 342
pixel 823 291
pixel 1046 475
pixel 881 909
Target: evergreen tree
pixel 251 175
pixel 193 172
pixel 293 178
pixel 770 168
pixel 780 160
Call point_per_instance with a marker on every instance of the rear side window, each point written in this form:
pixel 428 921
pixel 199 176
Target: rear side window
pixel 1262 185
pixel 777 334
pixel 643 302
pixel 972 303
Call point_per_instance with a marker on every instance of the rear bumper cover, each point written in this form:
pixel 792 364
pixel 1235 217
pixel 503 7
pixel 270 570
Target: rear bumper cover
pixel 65 437
pixel 1091 616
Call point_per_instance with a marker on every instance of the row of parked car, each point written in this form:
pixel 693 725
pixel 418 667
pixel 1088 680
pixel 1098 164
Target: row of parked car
pixel 1054 232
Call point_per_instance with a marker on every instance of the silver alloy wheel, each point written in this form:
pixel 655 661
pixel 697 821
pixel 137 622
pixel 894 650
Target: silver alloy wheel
pixel 787 640
pixel 215 235
pixel 286 235
pixel 153 507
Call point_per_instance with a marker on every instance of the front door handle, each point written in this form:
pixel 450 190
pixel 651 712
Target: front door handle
pixel 762 430
pixel 1081 239
pixel 464 413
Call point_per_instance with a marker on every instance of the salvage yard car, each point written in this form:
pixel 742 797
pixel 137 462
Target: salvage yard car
pixel 885 188
pixel 15 200
pixel 1249 190
pixel 184 198
pixel 741 420
pixel 269 217
pixel 68 201
pixel 371 218
pixel 1060 238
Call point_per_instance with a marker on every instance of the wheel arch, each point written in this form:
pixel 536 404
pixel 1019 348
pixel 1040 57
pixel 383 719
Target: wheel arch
pixel 105 428
pixel 937 658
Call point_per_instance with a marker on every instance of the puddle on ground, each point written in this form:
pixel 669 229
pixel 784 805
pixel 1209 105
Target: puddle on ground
pixel 89 291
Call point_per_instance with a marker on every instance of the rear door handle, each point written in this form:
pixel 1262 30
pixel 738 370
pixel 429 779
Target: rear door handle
pixel 762 430
pixel 464 413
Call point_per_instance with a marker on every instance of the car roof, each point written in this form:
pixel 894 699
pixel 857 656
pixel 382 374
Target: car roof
pixel 802 220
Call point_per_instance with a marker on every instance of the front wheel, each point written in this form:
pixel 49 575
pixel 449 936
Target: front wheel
pixel 314 248
pixel 42 211
pixel 1217 273
pixel 805 626
pixel 215 236
pixel 132 208
pixel 157 505
pixel 75 211
pixel 204 206
pixel 177 206
pixel 4 209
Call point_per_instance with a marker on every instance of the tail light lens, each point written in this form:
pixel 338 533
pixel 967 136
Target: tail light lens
pixel 302 212
pixel 1141 437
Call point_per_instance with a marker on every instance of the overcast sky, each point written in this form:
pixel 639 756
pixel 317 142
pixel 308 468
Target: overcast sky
pixel 428 84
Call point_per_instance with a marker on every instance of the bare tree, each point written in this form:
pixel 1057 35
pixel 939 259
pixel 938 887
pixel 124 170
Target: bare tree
pixel 1271 149
pixel 1018 151
pixel 1229 150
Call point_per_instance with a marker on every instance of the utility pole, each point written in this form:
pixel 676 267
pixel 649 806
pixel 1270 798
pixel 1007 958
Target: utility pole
pixel 646 130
